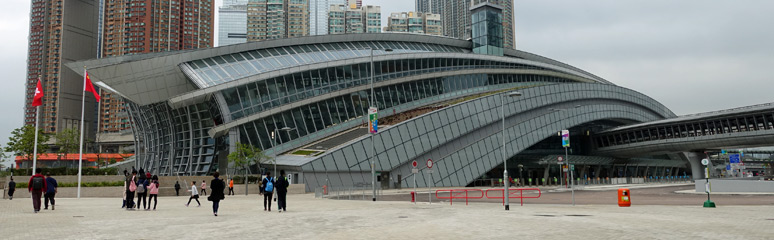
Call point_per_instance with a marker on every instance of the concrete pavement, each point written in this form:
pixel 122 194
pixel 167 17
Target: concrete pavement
pixel 243 217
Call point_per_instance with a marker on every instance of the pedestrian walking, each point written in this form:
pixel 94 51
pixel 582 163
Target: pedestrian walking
pixel 153 189
pixel 216 186
pixel 268 189
pixel 194 194
pixel 142 192
pixel 204 188
pixel 123 205
pixel 177 188
pixel 11 189
pixel 231 186
pixel 131 187
pixel 282 191
pixel 51 190
pixel 36 187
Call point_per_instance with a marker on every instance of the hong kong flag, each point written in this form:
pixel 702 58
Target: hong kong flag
pixel 89 87
pixel 37 100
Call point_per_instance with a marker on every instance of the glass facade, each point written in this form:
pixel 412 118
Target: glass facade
pixel 216 70
pixel 311 118
pixel 175 141
pixel 487 30
pixel 232 27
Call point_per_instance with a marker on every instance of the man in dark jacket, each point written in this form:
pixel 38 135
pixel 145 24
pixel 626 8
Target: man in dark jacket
pixel 282 191
pixel 129 191
pixel 268 189
pixel 51 190
pixel 36 187
pixel 177 188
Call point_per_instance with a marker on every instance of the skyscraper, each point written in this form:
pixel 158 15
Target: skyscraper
pixel 344 19
pixel 427 23
pixel 456 20
pixel 318 15
pixel 273 19
pixel 60 32
pixel 132 27
pixel 232 26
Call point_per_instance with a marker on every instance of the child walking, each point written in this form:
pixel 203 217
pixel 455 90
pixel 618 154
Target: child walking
pixel 194 194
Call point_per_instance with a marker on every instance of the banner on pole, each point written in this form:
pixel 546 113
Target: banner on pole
pixel 565 138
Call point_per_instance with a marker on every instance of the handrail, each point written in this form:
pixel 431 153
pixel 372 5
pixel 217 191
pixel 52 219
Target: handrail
pixel 512 192
pixel 458 194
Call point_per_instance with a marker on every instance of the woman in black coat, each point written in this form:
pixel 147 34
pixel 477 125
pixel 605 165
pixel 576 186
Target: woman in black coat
pixel 216 186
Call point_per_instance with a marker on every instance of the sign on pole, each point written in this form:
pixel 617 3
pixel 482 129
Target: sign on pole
pixel 565 138
pixel 372 120
pixel 560 159
pixel 733 158
pixel 414 164
pixel 429 163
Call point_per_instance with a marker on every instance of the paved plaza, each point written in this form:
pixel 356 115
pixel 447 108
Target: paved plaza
pixel 242 217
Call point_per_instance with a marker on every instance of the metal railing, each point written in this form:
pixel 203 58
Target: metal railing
pixel 460 194
pixel 348 192
pixel 512 193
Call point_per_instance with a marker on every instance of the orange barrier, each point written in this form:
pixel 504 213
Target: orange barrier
pixel 458 194
pixel 512 193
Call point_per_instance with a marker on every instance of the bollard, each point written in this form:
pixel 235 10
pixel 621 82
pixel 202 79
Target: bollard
pixel 413 196
pixel 624 197
pixel 325 189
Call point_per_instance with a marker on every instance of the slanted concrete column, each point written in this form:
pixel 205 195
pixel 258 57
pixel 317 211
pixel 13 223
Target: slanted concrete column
pixel 546 176
pixel 694 159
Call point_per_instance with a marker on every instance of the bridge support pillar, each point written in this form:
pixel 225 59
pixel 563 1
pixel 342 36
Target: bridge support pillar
pixel 694 160
pixel 546 174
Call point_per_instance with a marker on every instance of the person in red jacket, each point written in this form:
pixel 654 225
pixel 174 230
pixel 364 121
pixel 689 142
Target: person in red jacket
pixel 36 187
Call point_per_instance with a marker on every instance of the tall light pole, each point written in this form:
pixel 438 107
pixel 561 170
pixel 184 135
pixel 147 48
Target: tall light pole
pixel 274 136
pixel 506 193
pixel 372 100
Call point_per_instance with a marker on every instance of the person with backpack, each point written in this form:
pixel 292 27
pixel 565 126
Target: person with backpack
pixel 153 189
pixel 216 186
pixel 194 195
pixel 36 187
pixel 142 194
pixel 282 191
pixel 177 188
pixel 11 189
pixel 51 191
pixel 131 187
pixel 204 188
pixel 268 189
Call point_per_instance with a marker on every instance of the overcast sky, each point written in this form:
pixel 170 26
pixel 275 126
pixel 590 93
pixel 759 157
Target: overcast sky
pixel 693 56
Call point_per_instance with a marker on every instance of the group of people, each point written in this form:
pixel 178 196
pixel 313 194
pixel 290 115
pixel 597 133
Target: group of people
pixel 38 186
pixel 146 187
pixel 142 184
pixel 269 185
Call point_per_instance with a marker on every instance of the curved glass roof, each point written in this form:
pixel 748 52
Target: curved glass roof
pixel 216 70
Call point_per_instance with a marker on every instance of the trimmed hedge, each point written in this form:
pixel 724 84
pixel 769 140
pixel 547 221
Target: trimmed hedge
pixel 83 184
pixel 240 179
pixel 63 171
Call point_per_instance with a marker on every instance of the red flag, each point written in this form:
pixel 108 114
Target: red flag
pixel 37 100
pixel 89 87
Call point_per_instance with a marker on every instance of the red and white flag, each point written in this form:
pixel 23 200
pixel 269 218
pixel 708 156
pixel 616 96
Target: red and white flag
pixel 89 87
pixel 37 100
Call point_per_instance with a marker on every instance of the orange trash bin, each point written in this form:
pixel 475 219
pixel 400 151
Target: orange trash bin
pixel 624 197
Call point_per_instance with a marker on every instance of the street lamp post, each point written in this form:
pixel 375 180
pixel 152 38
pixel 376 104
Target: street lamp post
pixel 506 193
pixel 373 143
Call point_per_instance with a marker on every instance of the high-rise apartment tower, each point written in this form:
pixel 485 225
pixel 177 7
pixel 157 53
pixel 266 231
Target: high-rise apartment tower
pixel 318 15
pixel 456 19
pixel 133 27
pixel 274 19
pixel 60 32
pixel 232 25
pixel 426 23
pixel 344 19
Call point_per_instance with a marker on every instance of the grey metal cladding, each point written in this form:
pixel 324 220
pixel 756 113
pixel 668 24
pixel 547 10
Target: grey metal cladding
pixel 473 151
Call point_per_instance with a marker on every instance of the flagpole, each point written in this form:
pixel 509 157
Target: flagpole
pixel 80 155
pixel 35 148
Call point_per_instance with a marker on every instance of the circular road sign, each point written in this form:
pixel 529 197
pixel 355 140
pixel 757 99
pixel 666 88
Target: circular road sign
pixel 560 158
pixel 429 163
pixel 414 163
pixel 704 162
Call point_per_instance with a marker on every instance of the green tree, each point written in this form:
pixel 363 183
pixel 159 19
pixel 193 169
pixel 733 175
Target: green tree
pixel 68 140
pixel 22 141
pixel 245 156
